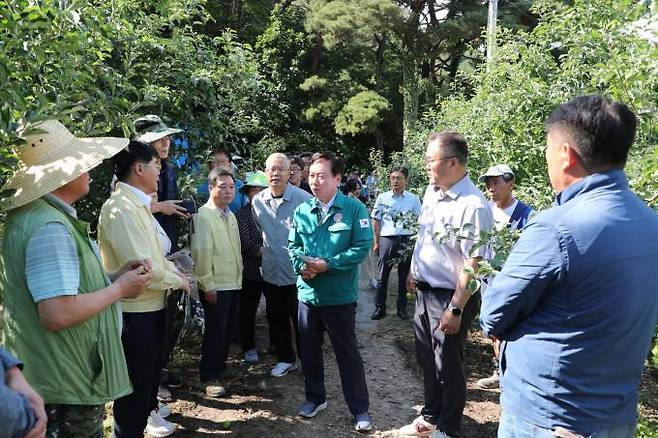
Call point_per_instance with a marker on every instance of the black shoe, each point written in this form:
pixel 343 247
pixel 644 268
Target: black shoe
pixel 379 313
pixel 402 313
pixel 172 382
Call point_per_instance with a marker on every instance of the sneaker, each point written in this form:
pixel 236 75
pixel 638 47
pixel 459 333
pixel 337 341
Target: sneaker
pixel 159 427
pixel 163 410
pixel 283 368
pixel 164 395
pixel 379 313
pixel 251 356
pixel 418 427
pixel 309 409
pixel 374 283
pixel 491 382
pixel 215 389
pixel 363 423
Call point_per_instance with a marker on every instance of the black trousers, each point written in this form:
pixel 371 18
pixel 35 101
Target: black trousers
pixel 281 310
pixel 441 357
pixel 339 322
pixel 215 343
pixel 175 318
pixel 249 299
pixel 392 252
pixel 142 344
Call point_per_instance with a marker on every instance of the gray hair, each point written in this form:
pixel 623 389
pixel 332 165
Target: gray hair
pixel 280 156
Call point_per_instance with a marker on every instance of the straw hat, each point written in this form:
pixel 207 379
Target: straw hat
pixel 151 128
pixel 51 157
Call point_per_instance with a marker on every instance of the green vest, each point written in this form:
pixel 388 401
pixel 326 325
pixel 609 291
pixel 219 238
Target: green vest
pixel 80 365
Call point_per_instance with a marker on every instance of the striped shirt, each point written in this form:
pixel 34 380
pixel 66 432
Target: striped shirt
pixel 51 259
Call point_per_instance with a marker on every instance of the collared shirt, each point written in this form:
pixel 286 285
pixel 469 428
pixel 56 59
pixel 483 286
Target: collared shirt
pixel 576 304
pixel 388 208
pixel 216 249
pixel 324 208
pixel 343 240
pixel 126 231
pixel 275 222
pixel 51 259
pixel 146 200
pixel 461 211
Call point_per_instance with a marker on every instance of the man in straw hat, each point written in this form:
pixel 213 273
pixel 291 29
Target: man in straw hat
pixel 60 314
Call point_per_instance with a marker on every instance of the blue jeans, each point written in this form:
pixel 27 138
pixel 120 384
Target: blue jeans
pixel 515 427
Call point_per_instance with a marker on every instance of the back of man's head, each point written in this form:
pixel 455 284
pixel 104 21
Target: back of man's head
pixel 602 130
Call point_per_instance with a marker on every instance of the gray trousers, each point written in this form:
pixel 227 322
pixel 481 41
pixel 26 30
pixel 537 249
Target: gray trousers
pixel 392 252
pixel 441 358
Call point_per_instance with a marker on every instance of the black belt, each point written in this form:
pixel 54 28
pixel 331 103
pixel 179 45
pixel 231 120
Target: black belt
pixel 405 236
pixel 421 285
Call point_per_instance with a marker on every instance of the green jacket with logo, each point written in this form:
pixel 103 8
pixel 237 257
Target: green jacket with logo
pixel 80 365
pixel 343 240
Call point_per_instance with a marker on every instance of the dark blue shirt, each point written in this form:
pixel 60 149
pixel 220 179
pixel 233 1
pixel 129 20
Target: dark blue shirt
pixel 576 304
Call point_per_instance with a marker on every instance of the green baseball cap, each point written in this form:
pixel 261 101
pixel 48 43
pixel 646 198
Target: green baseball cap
pixel 151 128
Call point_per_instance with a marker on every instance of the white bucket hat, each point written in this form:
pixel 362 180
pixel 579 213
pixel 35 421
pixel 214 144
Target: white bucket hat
pixel 52 157
pixel 151 128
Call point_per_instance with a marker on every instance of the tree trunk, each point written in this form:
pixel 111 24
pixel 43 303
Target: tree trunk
pixel 316 54
pixel 411 96
pixel 379 57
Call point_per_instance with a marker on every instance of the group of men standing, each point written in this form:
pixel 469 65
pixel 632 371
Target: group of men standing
pixel 570 314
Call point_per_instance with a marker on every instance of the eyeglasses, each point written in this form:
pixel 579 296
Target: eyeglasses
pixel 157 165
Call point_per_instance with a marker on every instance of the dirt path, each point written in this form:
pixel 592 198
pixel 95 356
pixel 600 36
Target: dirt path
pixel 259 405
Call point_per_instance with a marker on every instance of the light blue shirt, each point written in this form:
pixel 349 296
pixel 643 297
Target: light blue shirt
pixel 51 259
pixel 275 221
pixel 388 209
pixel 576 304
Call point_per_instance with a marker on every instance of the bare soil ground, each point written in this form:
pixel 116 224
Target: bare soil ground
pixel 260 405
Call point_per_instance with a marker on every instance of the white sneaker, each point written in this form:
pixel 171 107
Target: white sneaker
pixel 419 427
pixel 164 395
pixel 163 410
pixel 283 368
pixel 159 427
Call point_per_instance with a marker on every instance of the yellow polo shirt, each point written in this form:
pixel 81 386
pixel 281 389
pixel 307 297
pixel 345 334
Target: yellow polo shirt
pixel 126 231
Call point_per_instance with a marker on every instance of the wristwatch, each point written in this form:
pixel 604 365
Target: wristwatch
pixel 456 311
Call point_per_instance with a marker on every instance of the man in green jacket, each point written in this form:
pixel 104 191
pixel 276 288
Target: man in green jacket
pixel 61 315
pixel 331 236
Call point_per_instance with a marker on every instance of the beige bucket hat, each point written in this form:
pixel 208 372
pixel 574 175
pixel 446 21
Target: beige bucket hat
pixel 51 157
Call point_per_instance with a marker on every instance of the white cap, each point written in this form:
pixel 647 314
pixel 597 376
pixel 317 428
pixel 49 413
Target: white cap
pixel 497 170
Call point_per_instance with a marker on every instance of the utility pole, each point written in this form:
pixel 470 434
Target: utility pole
pixel 491 29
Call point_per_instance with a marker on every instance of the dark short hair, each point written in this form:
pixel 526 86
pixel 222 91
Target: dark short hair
pixel 603 130
pixel 337 163
pixel 351 185
pixel 216 173
pixel 218 151
pixel 453 143
pixel 297 161
pixel 403 170
pixel 136 151
pixel 306 155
